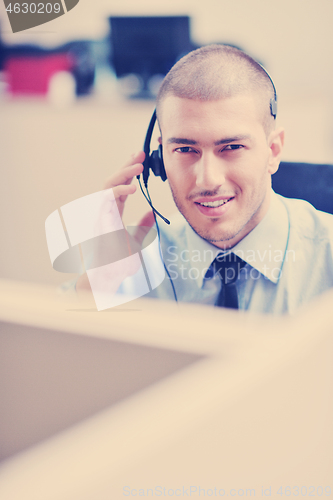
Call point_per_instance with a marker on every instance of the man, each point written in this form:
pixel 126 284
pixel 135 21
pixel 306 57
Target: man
pixel 220 149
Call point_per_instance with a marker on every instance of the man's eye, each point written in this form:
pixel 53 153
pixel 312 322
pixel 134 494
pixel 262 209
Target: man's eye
pixel 184 149
pixel 232 147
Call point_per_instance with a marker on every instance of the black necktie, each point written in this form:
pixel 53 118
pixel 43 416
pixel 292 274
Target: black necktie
pixel 228 267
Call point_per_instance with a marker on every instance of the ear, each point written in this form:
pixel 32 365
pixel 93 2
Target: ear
pixel 275 143
pixel 160 140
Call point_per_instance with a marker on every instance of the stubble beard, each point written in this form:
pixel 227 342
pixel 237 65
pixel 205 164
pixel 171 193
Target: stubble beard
pixel 207 235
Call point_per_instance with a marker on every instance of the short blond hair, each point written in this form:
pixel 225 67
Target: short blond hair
pixel 215 72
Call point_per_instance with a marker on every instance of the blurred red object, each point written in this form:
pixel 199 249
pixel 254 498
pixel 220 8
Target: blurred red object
pixel 32 74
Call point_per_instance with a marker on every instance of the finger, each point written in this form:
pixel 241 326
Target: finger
pixel 119 196
pixel 121 192
pixel 136 158
pixel 128 171
pixel 124 176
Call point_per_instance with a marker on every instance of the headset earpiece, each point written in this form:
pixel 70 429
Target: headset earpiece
pixel 156 163
pixel 153 160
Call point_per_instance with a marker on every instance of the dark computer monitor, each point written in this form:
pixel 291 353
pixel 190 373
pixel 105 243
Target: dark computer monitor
pixel 147 46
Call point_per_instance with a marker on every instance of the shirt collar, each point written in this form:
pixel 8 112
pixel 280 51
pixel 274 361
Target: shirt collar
pixel 263 248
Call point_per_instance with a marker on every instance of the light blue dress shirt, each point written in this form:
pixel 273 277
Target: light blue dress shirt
pixel 288 255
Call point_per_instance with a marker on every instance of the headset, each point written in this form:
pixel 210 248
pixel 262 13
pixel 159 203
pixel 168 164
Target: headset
pixel 154 160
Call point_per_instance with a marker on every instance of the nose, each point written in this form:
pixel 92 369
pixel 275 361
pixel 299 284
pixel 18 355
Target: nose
pixel 210 172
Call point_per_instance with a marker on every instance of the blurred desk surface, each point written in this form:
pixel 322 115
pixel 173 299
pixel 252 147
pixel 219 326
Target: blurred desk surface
pixel 249 406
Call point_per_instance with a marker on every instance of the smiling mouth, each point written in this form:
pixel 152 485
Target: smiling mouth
pixel 214 204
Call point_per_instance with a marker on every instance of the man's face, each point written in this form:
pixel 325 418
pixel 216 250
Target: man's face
pixel 219 162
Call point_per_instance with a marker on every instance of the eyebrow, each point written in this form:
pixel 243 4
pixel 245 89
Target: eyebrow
pixel 191 142
pixel 236 138
pixel 179 140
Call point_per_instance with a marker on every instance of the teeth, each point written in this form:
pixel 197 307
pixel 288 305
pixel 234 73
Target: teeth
pixel 214 204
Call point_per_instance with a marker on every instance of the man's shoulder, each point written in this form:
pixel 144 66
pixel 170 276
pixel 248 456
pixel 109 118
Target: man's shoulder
pixel 308 222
